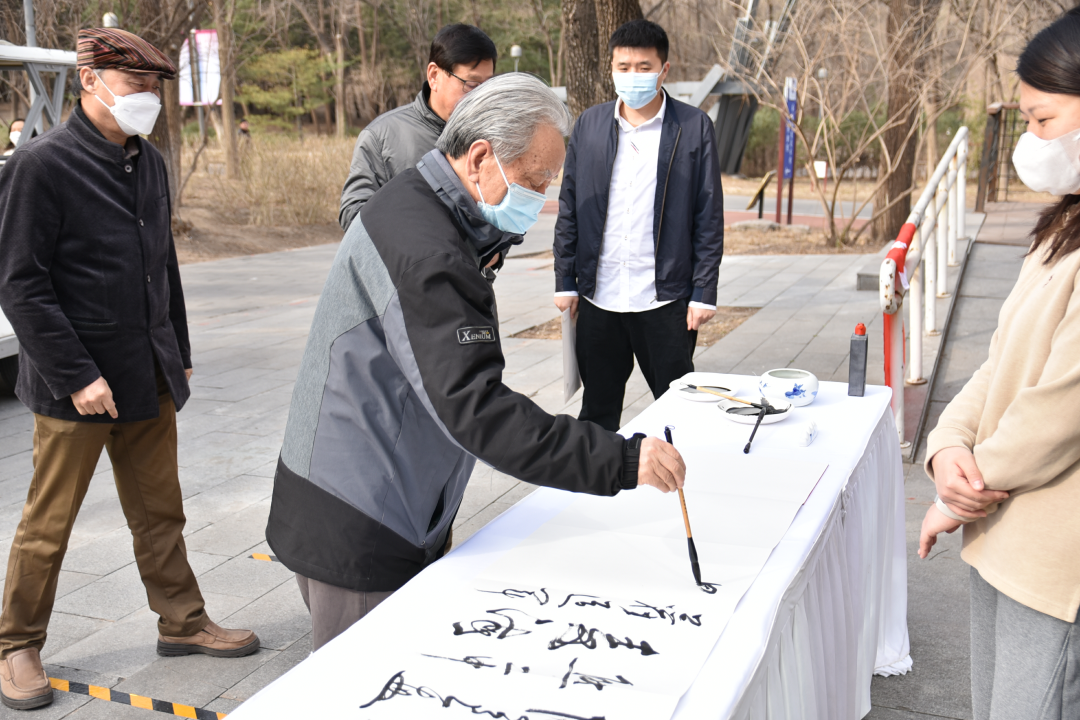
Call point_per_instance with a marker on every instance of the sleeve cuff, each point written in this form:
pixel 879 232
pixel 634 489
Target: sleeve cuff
pixel 565 285
pixel 944 510
pixel 700 295
pixel 568 293
pixel 701 305
pixel 631 454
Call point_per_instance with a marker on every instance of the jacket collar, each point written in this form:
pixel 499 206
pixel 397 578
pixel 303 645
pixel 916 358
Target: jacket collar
pixel 485 238
pixel 423 109
pixel 91 138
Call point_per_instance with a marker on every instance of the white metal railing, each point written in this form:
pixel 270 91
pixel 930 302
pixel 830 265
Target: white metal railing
pixel 924 249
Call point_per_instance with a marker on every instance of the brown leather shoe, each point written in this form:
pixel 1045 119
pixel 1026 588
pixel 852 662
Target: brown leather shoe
pixel 211 640
pixel 23 682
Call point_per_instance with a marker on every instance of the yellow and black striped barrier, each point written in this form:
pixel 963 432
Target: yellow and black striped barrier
pixel 139 701
pixel 264 557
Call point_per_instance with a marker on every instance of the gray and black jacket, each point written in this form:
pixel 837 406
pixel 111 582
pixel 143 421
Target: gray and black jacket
pixel 400 391
pixel 392 143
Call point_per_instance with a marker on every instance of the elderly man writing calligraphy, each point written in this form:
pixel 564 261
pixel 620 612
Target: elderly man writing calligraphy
pixel 400 390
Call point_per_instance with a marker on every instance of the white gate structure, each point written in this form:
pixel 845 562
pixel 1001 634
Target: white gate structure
pixel 916 268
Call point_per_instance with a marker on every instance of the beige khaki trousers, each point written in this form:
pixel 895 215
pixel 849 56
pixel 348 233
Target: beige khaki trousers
pixel 143 456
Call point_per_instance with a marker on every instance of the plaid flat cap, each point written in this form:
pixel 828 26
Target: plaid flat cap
pixel 105 48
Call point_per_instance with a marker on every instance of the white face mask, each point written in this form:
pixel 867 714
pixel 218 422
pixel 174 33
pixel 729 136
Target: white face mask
pixel 135 114
pixel 14 136
pixel 1051 166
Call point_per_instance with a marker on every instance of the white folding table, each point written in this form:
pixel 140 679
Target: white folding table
pixel 827 611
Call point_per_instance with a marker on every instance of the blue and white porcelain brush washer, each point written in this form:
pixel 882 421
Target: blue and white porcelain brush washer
pixel 798 387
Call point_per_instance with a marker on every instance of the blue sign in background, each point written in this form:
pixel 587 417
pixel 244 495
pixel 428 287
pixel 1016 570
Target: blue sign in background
pixel 791 96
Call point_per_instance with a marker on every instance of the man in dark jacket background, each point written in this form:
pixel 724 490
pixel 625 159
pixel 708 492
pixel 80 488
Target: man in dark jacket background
pixel 400 390
pixel 90 282
pixel 461 57
pixel 640 232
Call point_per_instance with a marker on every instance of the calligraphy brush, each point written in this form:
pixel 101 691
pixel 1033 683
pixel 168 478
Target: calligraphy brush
pixel 720 394
pixel 686 519
pixel 760 417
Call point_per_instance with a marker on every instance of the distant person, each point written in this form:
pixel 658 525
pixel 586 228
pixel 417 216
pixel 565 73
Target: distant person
pixel 14 135
pixel 401 387
pixel 90 283
pixel 640 232
pixel 245 130
pixel 461 57
pixel 1005 455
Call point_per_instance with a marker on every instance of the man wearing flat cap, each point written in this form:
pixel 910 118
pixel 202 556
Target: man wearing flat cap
pixel 90 282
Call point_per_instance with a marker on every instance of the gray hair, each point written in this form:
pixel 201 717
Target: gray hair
pixel 506 111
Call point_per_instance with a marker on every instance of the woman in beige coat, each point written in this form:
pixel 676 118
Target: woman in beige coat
pixel 1005 456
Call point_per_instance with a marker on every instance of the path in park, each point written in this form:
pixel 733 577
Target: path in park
pixel 249 320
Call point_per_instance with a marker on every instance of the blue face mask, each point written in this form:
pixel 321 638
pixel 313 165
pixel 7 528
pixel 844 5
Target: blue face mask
pixel 636 89
pixel 518 211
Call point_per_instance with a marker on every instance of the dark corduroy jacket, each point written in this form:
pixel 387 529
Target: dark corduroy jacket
pixel 88 272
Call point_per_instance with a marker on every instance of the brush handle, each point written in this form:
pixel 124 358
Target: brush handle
pixel 760 417
pixel 720 394
pixel 685 516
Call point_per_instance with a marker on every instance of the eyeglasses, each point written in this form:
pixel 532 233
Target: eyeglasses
pixel 466 85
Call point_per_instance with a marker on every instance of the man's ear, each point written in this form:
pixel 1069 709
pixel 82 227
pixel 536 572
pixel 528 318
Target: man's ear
pixel 432 74
pixel 478 152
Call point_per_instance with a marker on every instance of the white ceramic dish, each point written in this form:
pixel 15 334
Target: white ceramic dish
pixel 784 407
pixel 798 387
pixel 713 381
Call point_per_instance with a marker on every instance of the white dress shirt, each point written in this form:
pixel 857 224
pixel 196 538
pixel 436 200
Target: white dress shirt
pixel 626 270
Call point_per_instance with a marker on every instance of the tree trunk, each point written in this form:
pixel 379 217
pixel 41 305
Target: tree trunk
pixel 909 27
pixel 582 71
pixel 932 156
pixel 562 51
pixel 339 88
pixel 541 19
pixel 166 136
pixel 223 23
pixel 610 14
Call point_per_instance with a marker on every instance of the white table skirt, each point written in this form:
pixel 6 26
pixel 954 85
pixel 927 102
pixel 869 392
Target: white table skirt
pixel 828 609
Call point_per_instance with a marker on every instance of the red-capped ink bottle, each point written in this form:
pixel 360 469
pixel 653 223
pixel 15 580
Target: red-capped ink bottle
pixel 857 362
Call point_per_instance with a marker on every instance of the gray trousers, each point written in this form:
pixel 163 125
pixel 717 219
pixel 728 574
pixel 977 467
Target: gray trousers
pixel 334 609
pixel 1024 665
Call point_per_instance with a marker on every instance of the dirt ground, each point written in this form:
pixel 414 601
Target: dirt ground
pixel 208 231
pixel 725 320
pixel 213 225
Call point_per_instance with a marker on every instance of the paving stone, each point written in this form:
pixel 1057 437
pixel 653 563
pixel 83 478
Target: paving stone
pixel 62 706
pixel 195 680
pixel 245 577
pixel 71 581
pixel 223 705
pixel 102 555
pixel 202 563
pixel 239 533
pixel 275 668
pixel 227 498
pixel 120 649
pixel 112 597
pixel 279 617
pixel 97 709
pixel 66 629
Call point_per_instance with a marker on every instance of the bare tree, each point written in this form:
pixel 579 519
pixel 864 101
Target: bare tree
pixel 870 100
pixel 589 25
pixel 224 13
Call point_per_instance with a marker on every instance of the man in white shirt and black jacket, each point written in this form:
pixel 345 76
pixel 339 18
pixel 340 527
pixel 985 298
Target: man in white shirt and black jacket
pixel 641 228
